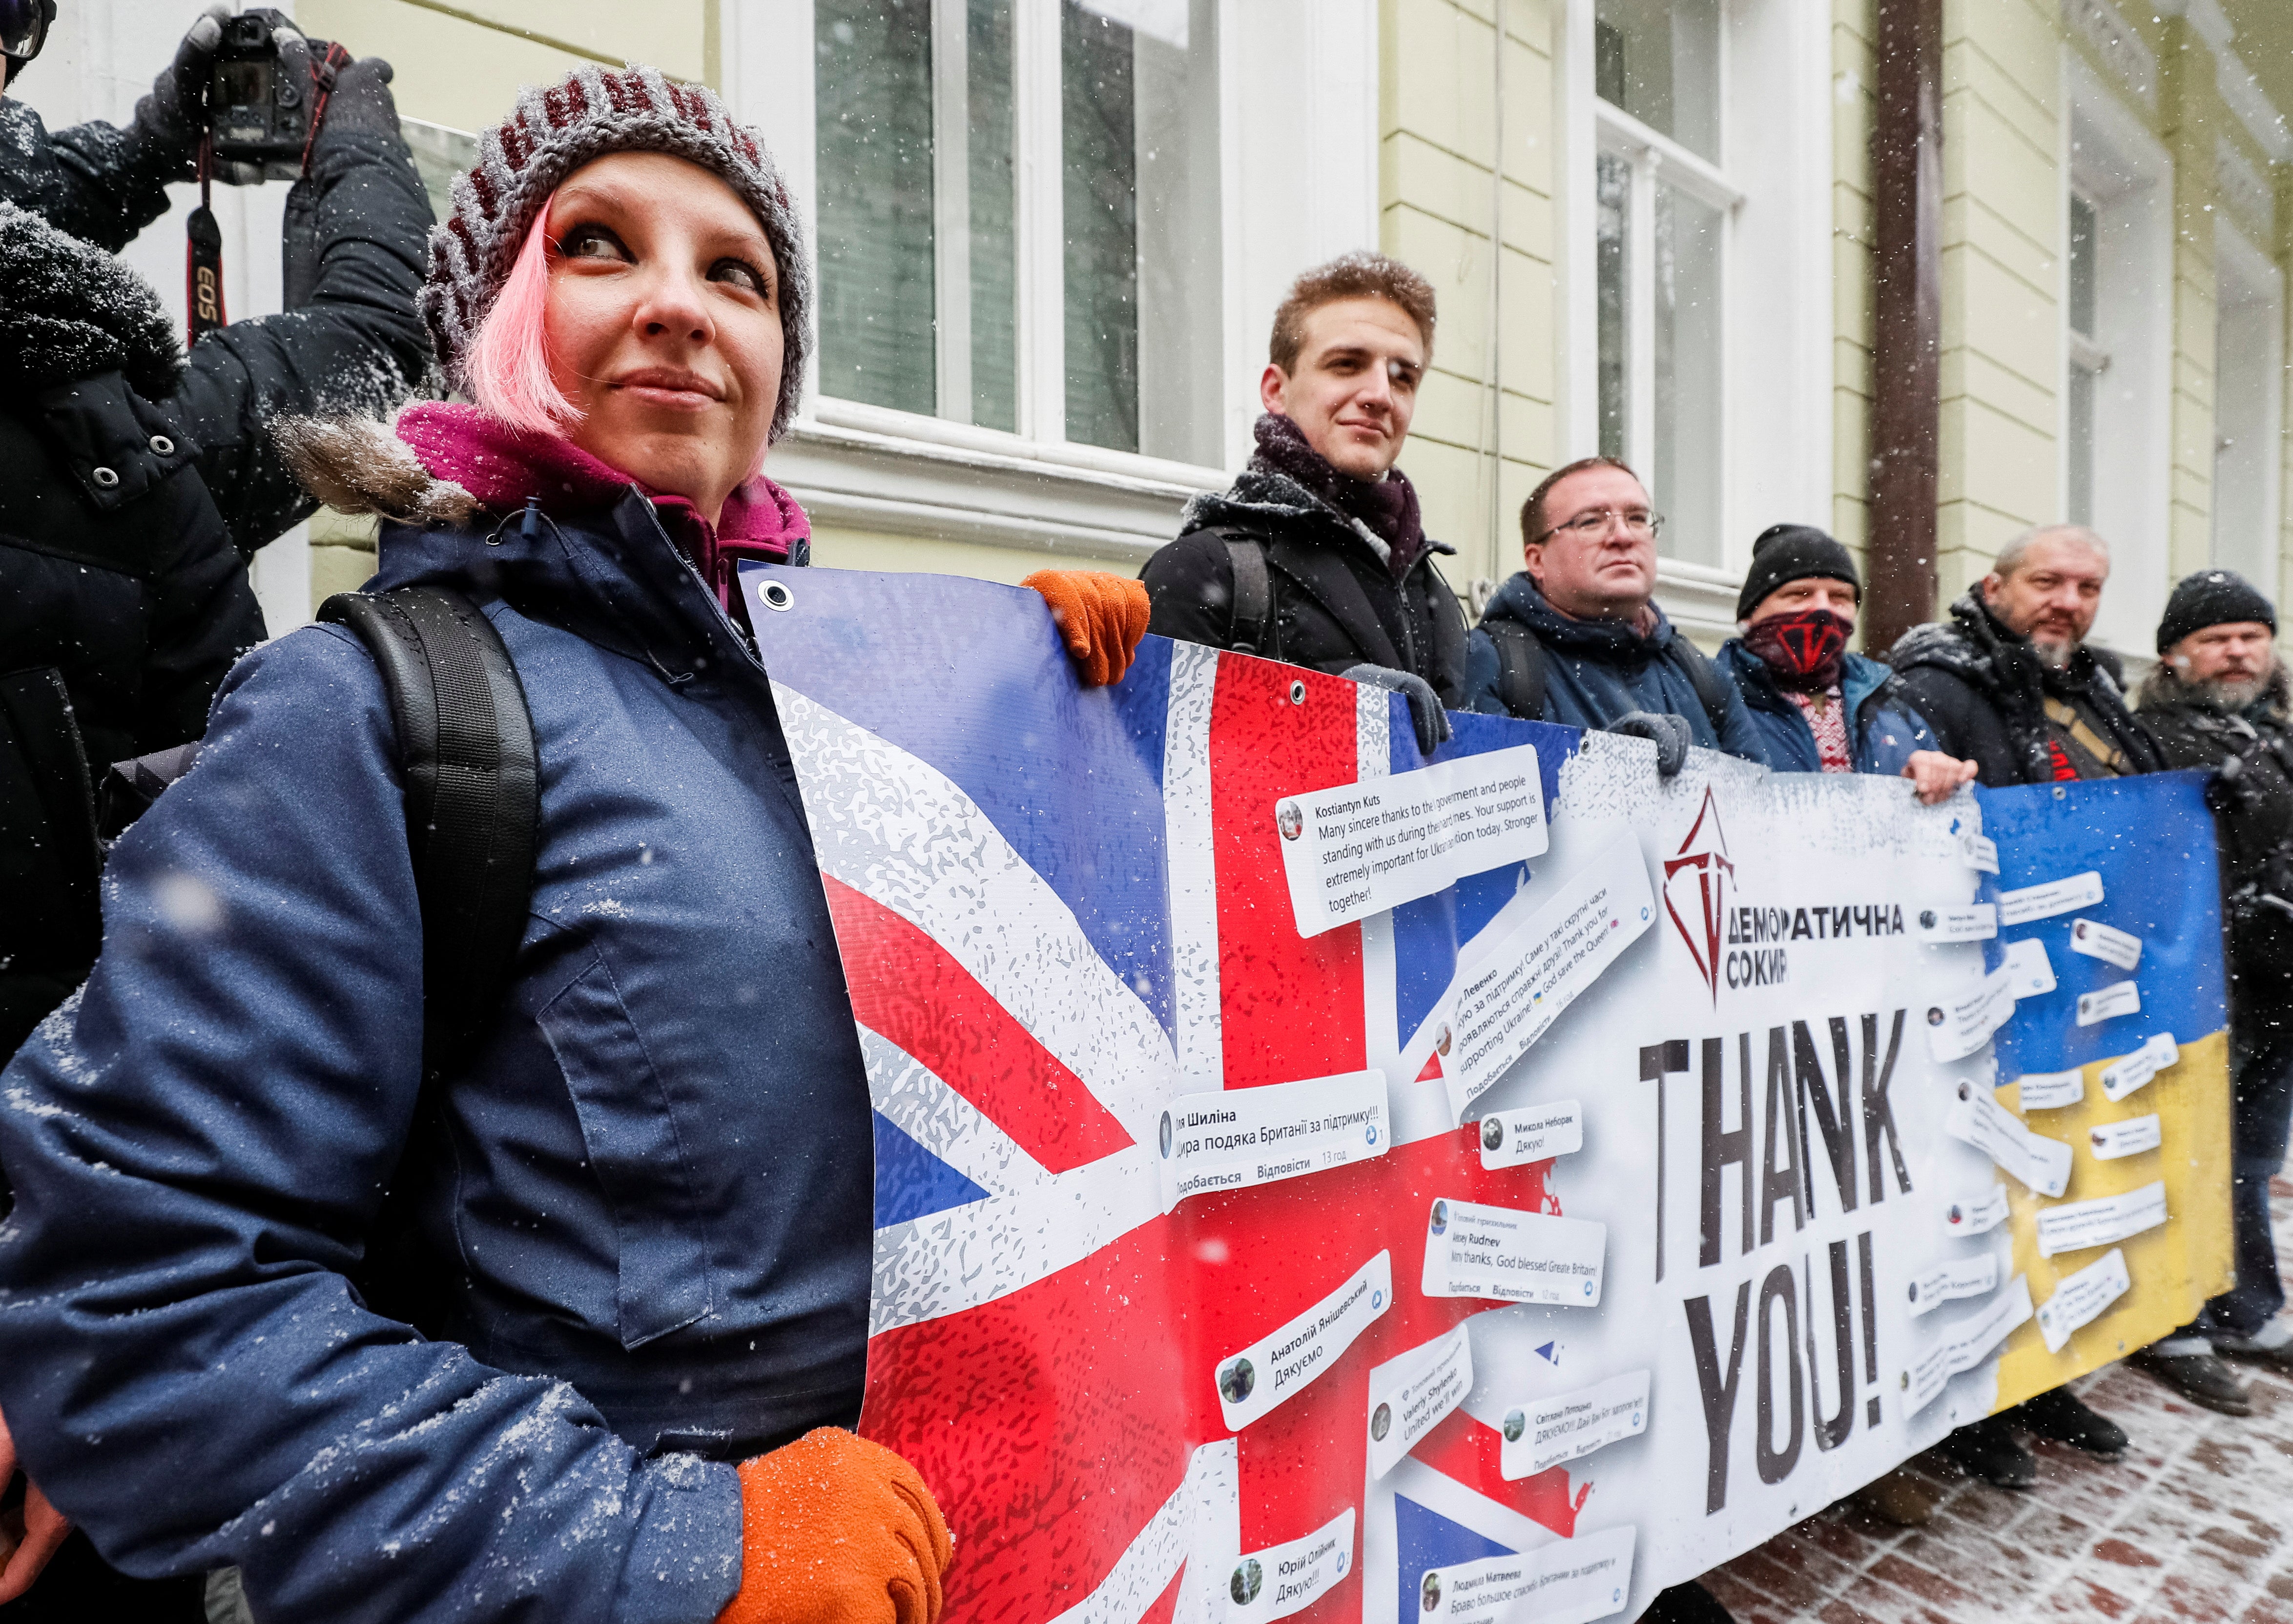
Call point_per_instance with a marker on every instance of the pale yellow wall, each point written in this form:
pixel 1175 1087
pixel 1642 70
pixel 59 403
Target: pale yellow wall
pixel 2190 113
pixel 1436 138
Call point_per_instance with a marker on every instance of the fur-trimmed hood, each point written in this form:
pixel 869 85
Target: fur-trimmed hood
pixel 73 312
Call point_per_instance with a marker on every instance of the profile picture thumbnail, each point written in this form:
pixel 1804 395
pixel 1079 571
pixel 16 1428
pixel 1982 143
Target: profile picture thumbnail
pixel 1247 1580
pixel 1934 1014
pixel 1926 918
pixel 1516 1422
pixel 1440 1217
pixel 1492 1134
pixel 1290 818
pixel 2078 930
pixel 1165 1134
pixel 1432 1591
pixel 1236 1380
pixel 1380 1422
pixel 1441 1043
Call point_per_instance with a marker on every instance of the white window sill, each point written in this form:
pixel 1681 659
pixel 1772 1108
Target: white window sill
pixel 1699 598
pixel 864 467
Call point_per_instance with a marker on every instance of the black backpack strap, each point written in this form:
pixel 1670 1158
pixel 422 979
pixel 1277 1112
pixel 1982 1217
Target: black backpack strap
pixel 1520 668
pixel 472 795
pixel 1710 689
pixel 1253 592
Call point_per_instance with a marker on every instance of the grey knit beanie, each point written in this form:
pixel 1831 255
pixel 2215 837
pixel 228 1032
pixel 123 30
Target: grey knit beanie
pixel 550 133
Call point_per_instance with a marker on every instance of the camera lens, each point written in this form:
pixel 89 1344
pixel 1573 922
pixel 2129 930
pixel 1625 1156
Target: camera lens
pixel 23 27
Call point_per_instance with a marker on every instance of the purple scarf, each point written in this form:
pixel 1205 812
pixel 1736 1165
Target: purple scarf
pixel 1388 507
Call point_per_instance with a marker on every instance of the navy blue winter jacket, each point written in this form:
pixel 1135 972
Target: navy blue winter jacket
pixel 1883 729
pixel 1597 671
pixel 646 1201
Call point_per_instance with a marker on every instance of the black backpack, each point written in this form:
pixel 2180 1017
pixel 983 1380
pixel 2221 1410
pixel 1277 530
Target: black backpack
pixel 1520 673
pixel 466 748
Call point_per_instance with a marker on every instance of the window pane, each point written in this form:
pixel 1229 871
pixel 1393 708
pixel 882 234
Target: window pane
pixel 1098 115
pixel 1612 207
pixel 2082 265
pixel 2081 447
pixel 872 82
pixel 1688 384
pixel 1660 61
pixel 994 218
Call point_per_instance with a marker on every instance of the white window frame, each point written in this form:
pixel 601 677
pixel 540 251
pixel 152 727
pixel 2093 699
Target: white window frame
pixel 2108 157
pixel 1776 365
pixel 1298 173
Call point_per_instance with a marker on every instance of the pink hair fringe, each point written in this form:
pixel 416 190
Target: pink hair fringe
pixel 509 362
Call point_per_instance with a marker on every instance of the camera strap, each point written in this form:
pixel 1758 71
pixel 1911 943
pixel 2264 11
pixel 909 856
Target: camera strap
pixel 322 86
pixel 203 254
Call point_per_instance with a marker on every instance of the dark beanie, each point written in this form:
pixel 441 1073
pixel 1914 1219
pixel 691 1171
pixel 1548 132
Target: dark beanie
pixel 2212 597
pixel 1788 552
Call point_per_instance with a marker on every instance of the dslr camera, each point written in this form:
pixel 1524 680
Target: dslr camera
pixel 263 92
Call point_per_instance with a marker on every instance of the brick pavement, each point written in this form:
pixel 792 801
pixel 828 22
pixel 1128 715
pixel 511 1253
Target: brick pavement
pixel 2194 1524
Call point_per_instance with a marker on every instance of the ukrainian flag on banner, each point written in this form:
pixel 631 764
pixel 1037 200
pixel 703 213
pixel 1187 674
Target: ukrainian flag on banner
pixel 2134 1029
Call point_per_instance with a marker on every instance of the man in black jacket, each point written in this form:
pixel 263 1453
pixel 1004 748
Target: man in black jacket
pixel 2218 698
pixel 1316 555
pixel 2009 684
pixel 133 486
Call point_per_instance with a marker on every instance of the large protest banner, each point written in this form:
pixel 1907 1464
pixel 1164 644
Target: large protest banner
pixel 1311 1180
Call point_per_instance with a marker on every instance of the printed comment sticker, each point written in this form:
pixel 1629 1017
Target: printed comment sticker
pixel 1962 1025
pixel 1569 1582
pixel 1975 921
pixel 1980 854
pixel 1361 848
pixel 2042 1164
pixel 1253 1381
pixel 1515 1256
pixel 1283 1579
pixel 2112 1140
pixel 2099 941
pixel 2104 1220
pixel 2054 897
pixel 1232 1138
pixel 2106 1003
pixel 1975 1215
pixel 2124 1075
pixel 1411 1396
pixel 1509 995
pixel 1535 1132
pixel 1967 1343
pixel 1548 1432
pixel 2027 969
pixel 2053 1090
pixel 1955 1278
pixel 2080 1299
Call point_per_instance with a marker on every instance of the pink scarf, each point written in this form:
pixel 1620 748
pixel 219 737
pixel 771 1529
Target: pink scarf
pixel 503 467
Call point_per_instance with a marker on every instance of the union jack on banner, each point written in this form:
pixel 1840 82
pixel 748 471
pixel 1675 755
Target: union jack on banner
pixel 1060 909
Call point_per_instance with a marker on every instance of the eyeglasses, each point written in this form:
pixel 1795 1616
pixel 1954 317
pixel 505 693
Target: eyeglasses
pixel 1591 526
pixel 24 26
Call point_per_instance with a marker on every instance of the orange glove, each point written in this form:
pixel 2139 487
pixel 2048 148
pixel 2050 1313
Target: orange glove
pixel 1101 616
pixel 30 1535
pixel 835 1530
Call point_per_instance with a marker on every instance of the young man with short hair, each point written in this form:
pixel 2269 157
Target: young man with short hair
pixel 1316 555
pixel 1577 638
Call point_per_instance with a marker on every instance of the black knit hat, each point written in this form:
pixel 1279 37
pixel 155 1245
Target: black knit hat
pixel 2212 597
pixel 1788 552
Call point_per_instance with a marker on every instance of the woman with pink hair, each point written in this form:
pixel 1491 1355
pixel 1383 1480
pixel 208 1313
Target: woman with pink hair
pixel 629 1224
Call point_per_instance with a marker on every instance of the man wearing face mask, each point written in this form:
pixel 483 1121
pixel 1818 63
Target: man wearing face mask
pixel 1814 707
pixel 2008 684
pixel 1316 555
pixel 2217 698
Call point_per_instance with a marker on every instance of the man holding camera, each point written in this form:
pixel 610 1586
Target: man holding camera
pixel 135 485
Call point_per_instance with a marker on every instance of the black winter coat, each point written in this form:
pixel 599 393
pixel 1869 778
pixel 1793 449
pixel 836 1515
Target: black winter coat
pixel 1332 602
pixel 133 486
pixel 1983 689
pixel 2253 819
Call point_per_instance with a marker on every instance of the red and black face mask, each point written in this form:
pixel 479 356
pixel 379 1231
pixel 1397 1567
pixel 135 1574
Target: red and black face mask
pixel 1806 651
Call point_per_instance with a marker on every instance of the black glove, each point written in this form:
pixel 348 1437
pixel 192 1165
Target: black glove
pixel 168 123
pixel 1668 734
pixel 359 108
pixel 360 104
pixel 1426 715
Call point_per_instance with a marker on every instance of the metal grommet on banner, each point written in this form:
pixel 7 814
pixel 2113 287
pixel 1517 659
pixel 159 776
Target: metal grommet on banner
pixel 2061 794
pixel 776 595
pixel 1297 693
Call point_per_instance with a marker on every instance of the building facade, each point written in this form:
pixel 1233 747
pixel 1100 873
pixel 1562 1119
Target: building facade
pixel 1051 235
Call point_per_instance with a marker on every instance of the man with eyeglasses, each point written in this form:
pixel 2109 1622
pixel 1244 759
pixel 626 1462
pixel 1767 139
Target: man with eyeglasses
pixel 1577 637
